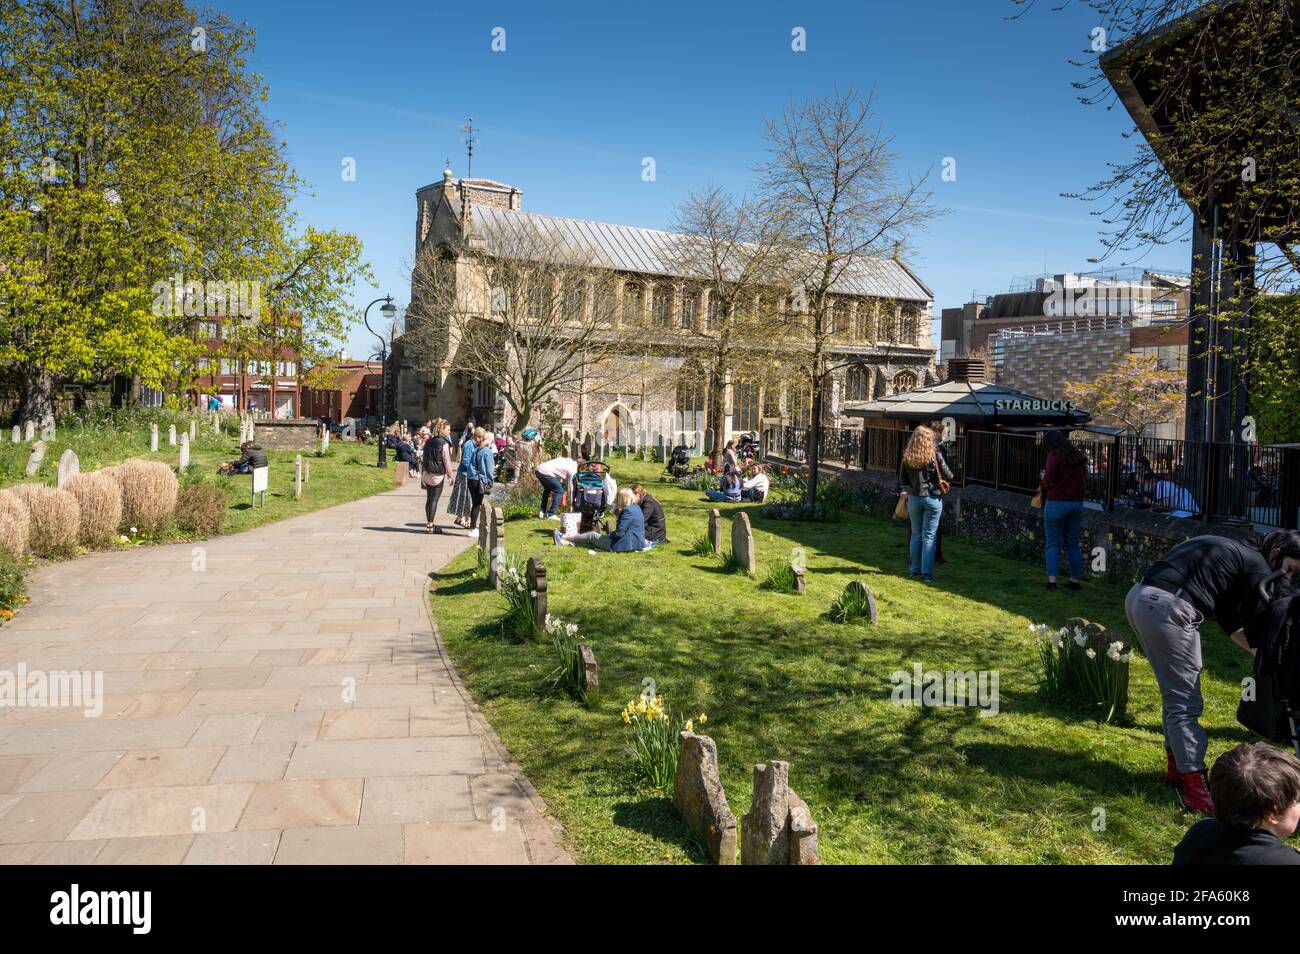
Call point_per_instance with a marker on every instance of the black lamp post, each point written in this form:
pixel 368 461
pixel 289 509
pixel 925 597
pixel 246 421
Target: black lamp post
pixel 388 310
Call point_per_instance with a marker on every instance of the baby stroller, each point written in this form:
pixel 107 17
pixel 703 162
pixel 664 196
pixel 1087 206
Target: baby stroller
pixel 747 447
pixel 1274 631
pixel 679 464
pixel 589 497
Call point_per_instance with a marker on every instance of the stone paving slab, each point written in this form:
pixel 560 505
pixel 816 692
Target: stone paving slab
pixel 280 696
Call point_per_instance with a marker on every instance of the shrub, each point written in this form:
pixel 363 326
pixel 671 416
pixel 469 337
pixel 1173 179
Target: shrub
pixel 654 739
pixel 13 583
pixel 517 622
pixel 55 519
pixel 700 480
pixel 201 509
pixel 1086 663
pixel 701 546
pixel 567 676
pixel 15 523
pixel 148 489
pixel 779 578
pixel 100 504
pixel 850 606
pixel 799 510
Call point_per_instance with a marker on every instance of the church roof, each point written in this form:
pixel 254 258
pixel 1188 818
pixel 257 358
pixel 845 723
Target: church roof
pixel 650 251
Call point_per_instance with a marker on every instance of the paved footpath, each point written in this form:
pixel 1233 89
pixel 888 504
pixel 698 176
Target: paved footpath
pixel 277 696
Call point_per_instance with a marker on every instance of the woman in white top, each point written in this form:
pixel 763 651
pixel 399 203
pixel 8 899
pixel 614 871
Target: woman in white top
pixel 555 476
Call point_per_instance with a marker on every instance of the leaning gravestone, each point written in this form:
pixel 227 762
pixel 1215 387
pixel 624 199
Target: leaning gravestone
pixel 69 467
pixel 35 459
pixel 153 438
pixel 742 542
pixel 800 580
pixel 590 676
pixel 865 591
pixel 779 829
pixel 715 530
pixel 699 798
pixel 185 454
pixel 536 574
pixel 171 435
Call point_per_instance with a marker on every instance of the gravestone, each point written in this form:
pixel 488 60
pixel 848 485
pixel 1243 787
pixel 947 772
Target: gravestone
pixel 153 438
pixel 779 829
pixel 858 585
pixel 324 439
pixel 574 448
pixel 185 453
pixel 306 470
pixel 17 434
pixel 497 534
pixel 216 422
pixel 800 580
pixel 194 430
pixel 297 476
pixel 537 589
pixel 69 467
pixel 171 435
pixel 47 432
pixel 590 677
pixel 29 431
pixel 35 459
pixel 715 530
pixel 484 518
pixel 742 542
pixel 699 798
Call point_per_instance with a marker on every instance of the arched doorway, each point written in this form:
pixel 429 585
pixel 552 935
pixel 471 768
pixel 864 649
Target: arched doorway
pixel 616 426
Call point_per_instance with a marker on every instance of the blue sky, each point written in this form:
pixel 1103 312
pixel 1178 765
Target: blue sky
pixel 583 92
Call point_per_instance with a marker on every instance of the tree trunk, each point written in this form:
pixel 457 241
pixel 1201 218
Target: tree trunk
pixel 38 399
pixel 813 444
pixel 715 421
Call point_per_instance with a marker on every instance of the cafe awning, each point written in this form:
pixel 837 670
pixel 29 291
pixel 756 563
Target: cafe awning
pixel 976 403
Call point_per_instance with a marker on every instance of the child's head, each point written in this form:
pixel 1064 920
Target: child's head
pixel 1257 786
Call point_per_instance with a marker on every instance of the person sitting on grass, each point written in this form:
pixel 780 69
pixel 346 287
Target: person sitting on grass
pixel 731 487
pixel 656 525
pixel 1256 791
pixel 251 457
pixel 627 537
pixel 755 486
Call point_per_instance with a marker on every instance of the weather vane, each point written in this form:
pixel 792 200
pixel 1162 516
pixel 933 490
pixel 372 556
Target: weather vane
pixel 469 130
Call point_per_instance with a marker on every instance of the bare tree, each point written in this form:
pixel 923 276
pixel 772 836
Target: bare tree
pixel 520 308
pixel 831 173
pixel 741 255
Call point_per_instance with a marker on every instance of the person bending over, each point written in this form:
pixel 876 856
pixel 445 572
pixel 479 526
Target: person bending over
pixel 1199 578
pixel 1256 791
pixel 628 534
pixel 656 525
pixel 251 457
pixel 555 476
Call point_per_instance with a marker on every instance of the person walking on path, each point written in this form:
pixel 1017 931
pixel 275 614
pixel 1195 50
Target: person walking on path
pixel 923 477
pixel 459 504
pixel 436 469
pixel 1062 495
pixel 1201 577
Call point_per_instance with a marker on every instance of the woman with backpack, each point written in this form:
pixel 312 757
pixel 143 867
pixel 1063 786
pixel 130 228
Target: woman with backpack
pixel 436 460
pixel 1061 494
pixel 923 476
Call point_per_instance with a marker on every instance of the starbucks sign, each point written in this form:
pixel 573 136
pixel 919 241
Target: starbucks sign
pixel 1034 404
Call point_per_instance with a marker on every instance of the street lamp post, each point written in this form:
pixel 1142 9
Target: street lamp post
pixel 388 311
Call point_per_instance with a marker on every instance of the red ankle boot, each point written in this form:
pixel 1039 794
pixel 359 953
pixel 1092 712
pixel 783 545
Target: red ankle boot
pixel 1195 794
pixel 1172 775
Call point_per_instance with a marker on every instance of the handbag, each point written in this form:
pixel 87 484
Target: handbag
pixel 1036 501
pixel 900 508
pixel 944 486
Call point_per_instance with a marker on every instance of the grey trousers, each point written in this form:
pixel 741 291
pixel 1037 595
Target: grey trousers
pixel 593 539
pixel 1169 629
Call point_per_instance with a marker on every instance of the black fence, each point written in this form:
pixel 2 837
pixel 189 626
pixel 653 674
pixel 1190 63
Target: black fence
pixel 1245 483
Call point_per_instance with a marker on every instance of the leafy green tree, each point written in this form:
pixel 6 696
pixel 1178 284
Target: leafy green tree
pixel 1275 369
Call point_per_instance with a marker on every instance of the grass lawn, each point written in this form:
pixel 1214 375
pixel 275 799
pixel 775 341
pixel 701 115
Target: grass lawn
pixel 885 783
pixel 348 472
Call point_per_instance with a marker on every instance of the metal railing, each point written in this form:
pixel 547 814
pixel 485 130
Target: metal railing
pixel 1243 483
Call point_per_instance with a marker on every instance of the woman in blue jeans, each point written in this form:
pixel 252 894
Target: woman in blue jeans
pixel 1062 489
pixel 918 475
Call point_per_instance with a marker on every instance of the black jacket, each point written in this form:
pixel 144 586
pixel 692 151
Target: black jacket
pixel 923 482
pixel 253 458
pixel 656 529
pixel 1210 842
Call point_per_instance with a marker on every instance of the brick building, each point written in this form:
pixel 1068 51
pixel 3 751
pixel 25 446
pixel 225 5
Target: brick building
pixel 261 381
pixel 356 394
pixel 882 306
